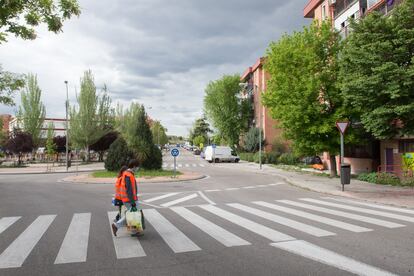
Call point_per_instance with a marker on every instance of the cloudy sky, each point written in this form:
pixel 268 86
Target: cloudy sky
pixel 161 53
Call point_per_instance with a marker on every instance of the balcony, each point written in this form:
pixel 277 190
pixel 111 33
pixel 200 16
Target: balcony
pixel 343 5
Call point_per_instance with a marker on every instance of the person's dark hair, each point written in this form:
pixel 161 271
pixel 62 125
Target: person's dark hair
pixel 121 171
pixel 133 163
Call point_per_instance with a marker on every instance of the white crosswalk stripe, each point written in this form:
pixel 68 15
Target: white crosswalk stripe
pixel 321 219
pixel 176 239
pixel 7 222
pixel 75 245
pixel 377 206
pixel 125 245
pixel 17 252
pixel 181 165
pixel 361 210
pixel 311 230
pixel 366 219
pixel 225 237
pixel 160 197
pixel 316 253
pixel 183 199
pixel 257 228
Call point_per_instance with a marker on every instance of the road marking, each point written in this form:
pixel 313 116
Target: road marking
pixel 172 165
pixel 160 197
pixel 171 203
pixel 232 189
pixel 384 207
pixel 275 184
pixel 74 247
pixel 187 165
pixel 20 248
pixel 366 219
pixel 194 165
pixel 324 220
pixel 202 165
pixel 358 209
pixel 311 230
pixel 221 235
pixel 175 239
pixel 319 254
pixel 257 228
pixel 180 165
pixel 249 187
pixel 214 190
pixel 206 198
pixel 6 222
pixel 125 245
pixel 261 186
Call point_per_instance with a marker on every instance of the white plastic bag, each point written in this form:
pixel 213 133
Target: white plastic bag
pixel 133 219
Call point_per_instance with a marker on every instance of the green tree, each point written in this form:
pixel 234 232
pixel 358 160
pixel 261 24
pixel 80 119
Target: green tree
pixel 118 155
pixel 20 17
pixel 9 84
pixel 159 133
pixel 377 72
pixel 200 128
pixel 225 109
pixel 3 135
pixel 303 92
pixel 94 115
pixel 32 112
pixel 50 144
pixel 198 140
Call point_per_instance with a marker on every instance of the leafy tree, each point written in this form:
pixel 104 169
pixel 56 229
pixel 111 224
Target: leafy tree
pixel 19 143
pixel 3 135
pixel 20 17
pixel 303 91
pixel 9 84
pixel 251 141
pixel 104 143
pixel 50 145
pixel 200 128
pixel 225 109
pixel 32 111
pixel 377 72
pixel 93 118
pixel 159 133
pixel 198 140
pixel 118 155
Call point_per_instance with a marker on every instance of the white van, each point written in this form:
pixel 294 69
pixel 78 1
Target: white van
pixel 220 154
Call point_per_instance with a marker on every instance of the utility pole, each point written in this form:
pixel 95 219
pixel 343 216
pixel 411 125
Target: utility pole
pixel 67 126
pixel 260 127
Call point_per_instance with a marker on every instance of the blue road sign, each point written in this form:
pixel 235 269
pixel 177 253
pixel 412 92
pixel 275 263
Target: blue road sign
pixel 175 152
pixel 214 146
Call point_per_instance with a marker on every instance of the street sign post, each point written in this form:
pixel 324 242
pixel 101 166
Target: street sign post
pixel 175 153
pixel 342 126
pixel 214 152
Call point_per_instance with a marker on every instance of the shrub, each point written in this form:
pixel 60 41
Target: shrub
pixel 408 182
pixel 154 160
pixel 272 157
pixel 118 155
pixel 288 159
pixel 251 141
pixel 388 179
pixel 247 156
pixel 256 158
pixel 368 177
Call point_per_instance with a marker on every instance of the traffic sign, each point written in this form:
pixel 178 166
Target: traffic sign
pixel 342 126
pixel 175 152
pixel 213 145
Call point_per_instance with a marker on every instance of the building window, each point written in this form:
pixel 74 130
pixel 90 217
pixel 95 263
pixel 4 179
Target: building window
pixel 323 12
pixel 406 146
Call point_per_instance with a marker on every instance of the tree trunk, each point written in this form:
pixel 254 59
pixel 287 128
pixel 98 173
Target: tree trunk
pixel 88 154
pixel 101 154
pixel 333 165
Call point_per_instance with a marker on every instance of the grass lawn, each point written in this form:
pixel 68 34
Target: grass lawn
pixel 141 173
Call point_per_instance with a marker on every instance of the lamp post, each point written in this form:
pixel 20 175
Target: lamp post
pixel 67 126
pixel 260 127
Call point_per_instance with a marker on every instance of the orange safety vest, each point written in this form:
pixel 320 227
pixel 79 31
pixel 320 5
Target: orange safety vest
pixel 123 190
pixel 118 188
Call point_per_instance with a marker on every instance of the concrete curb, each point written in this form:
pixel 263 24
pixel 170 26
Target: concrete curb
pixel 140 180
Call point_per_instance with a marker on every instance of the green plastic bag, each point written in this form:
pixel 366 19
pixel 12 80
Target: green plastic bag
pixel 134 219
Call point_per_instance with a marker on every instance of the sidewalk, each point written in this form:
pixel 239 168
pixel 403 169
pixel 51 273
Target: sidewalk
pixel 88 179
pixel 385 194
pixel 48 168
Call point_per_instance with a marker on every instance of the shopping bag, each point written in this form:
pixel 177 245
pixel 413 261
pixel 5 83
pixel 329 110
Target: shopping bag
pixel 134 219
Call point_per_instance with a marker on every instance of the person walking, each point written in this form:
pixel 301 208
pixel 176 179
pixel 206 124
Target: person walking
pixel 128 191
pixel 118 197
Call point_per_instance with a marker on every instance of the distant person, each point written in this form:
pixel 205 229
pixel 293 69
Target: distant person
pixel 118 197
pixel 128 193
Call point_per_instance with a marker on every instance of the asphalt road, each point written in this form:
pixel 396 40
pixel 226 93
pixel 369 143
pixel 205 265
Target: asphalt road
pixel 236 221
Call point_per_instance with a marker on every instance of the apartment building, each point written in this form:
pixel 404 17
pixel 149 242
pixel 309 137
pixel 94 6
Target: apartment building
pixel 255 80
pixel 59 126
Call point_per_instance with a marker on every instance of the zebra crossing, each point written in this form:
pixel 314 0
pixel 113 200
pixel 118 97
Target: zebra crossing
pixel 303 215
pixel 184 165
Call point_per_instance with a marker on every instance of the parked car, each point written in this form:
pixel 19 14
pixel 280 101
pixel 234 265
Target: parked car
pixel 220 154
pixel 197 152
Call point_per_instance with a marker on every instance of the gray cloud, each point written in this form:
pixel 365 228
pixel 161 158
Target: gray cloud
pixel 159 53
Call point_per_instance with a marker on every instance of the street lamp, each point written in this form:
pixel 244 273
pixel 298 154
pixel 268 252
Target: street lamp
pixel 260 129
pixel 67 126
